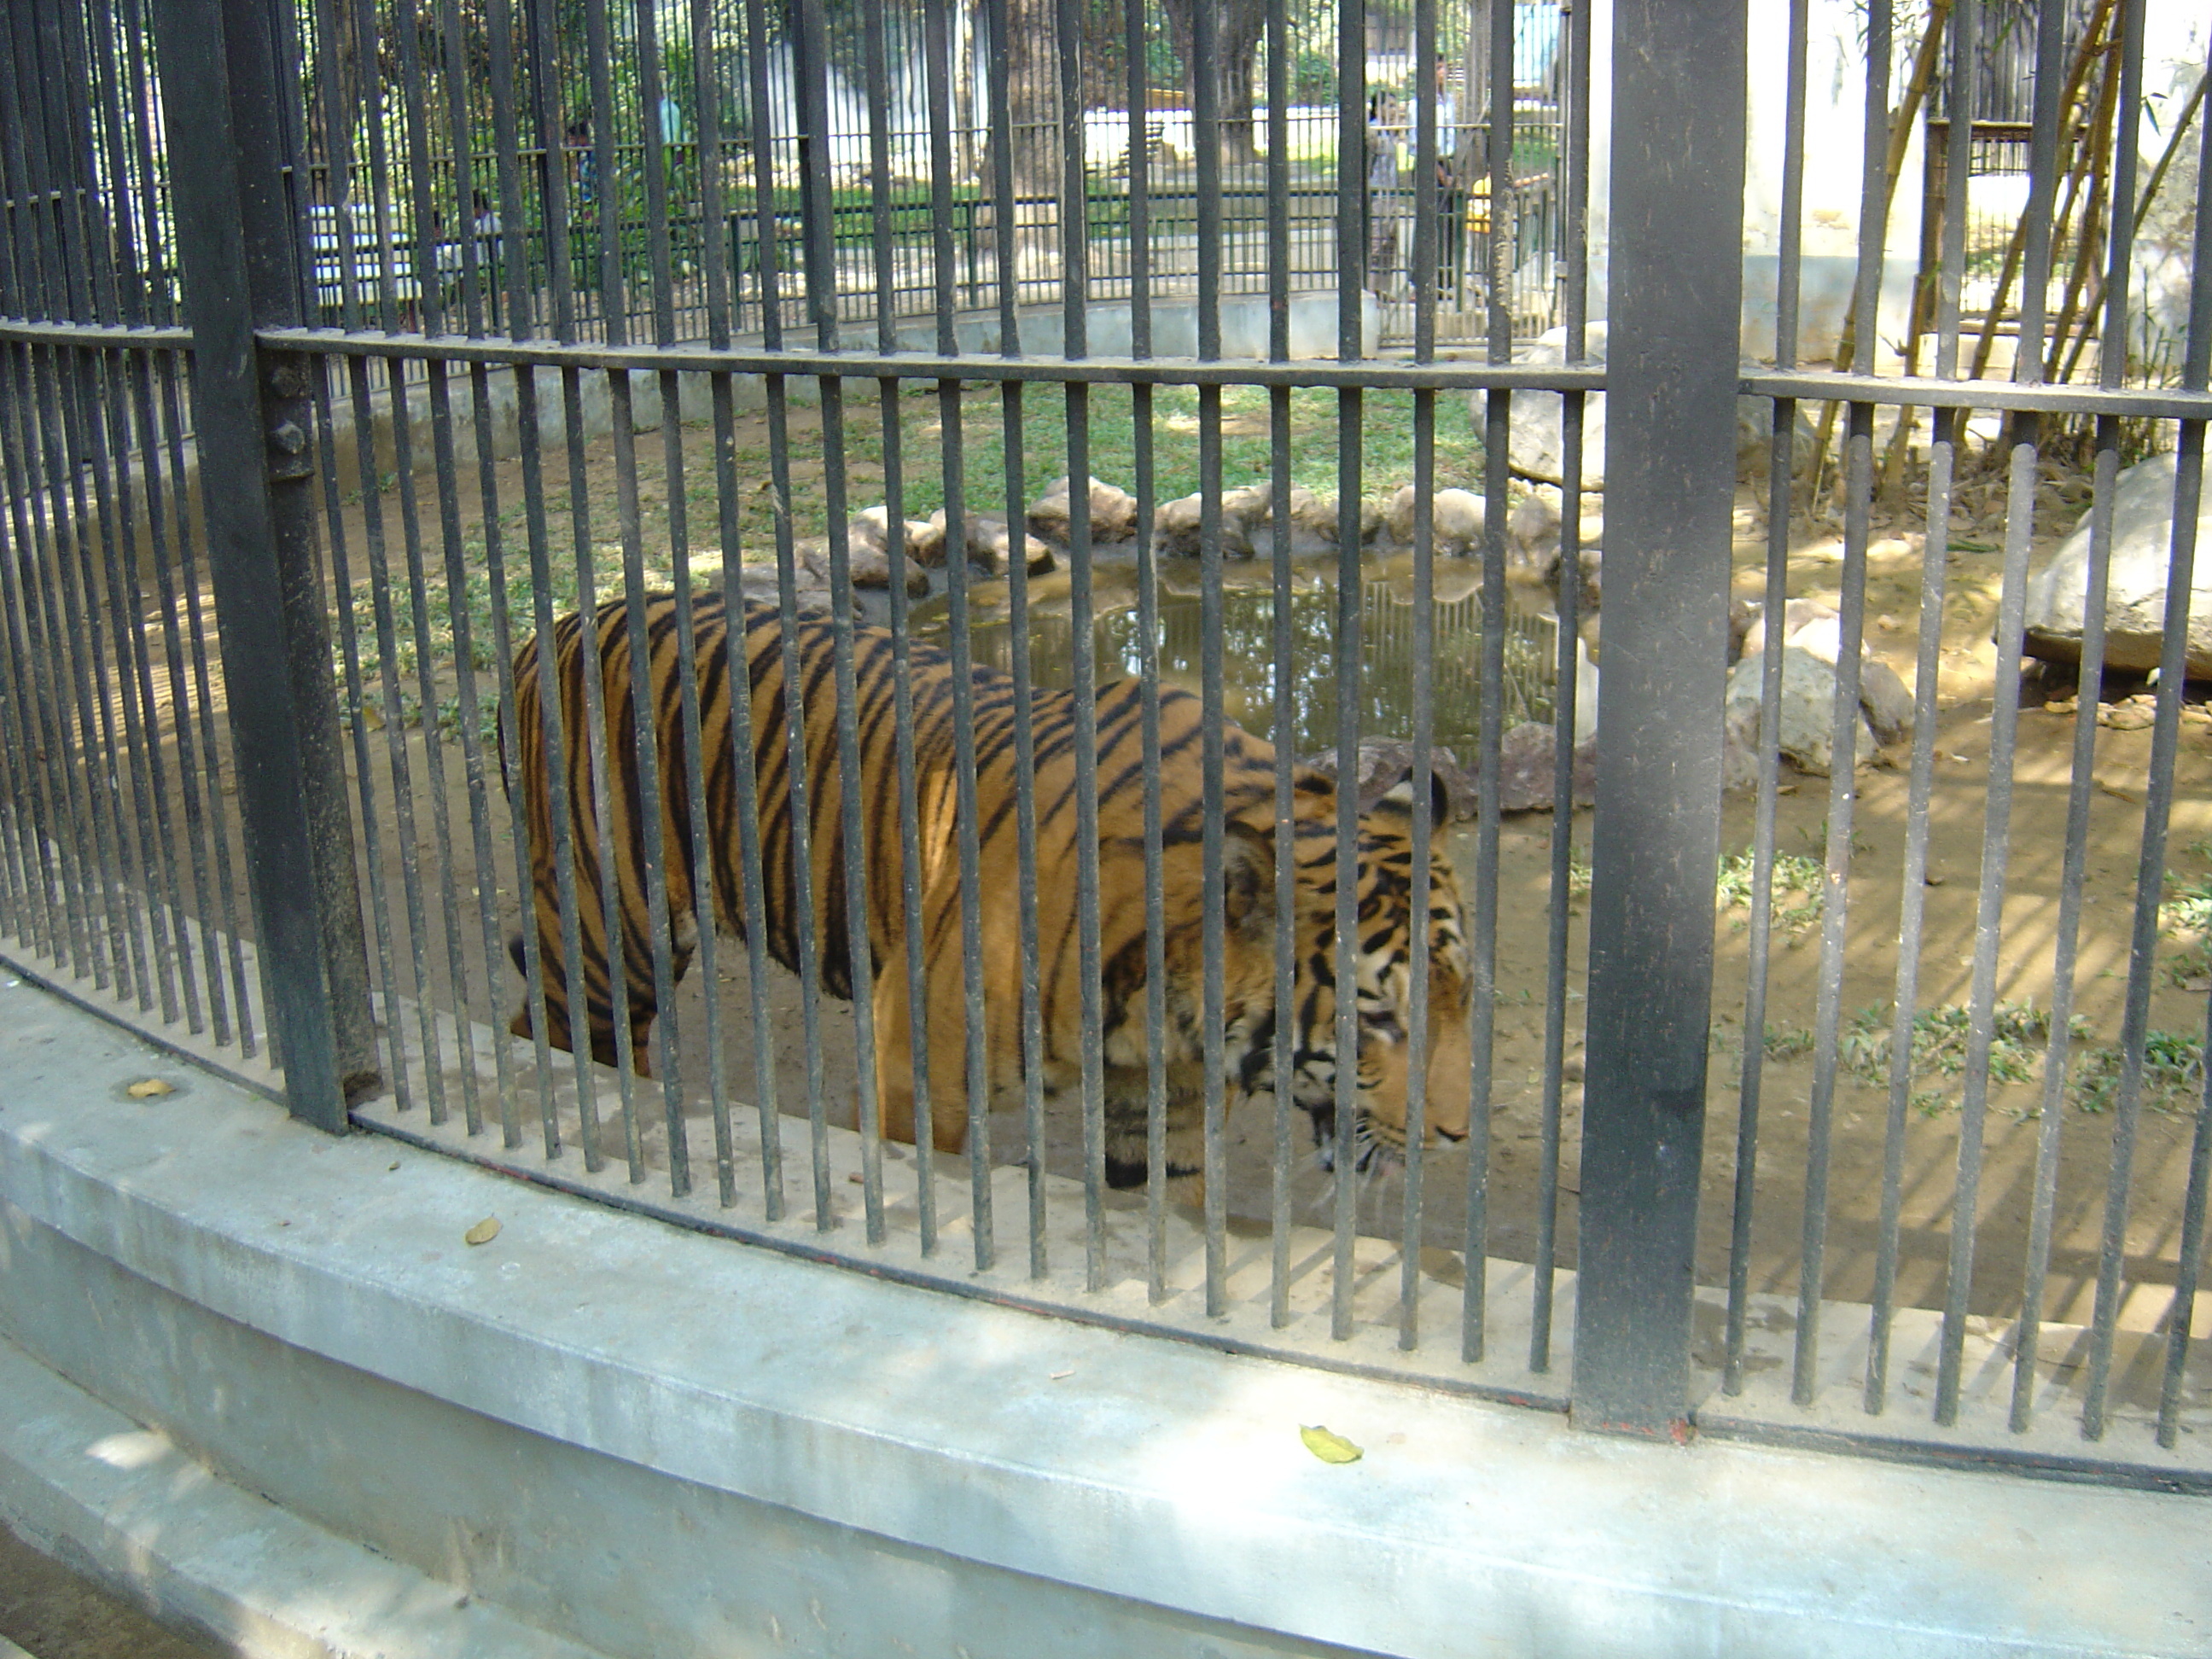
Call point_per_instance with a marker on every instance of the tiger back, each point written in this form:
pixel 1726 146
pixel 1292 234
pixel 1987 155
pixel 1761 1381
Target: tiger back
pixel 921 1050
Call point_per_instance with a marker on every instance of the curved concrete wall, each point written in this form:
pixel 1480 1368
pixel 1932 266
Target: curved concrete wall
pixel 600 1433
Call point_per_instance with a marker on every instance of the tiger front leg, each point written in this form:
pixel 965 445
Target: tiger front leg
pixel 1128 1113
pixel 898 1091
pixel 640 1005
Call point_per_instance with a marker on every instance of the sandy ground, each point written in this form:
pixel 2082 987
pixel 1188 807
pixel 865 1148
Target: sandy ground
pixel 1931 1128
pixel 51 1613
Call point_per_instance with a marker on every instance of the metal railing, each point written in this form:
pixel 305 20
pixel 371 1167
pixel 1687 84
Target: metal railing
pixel 1074 809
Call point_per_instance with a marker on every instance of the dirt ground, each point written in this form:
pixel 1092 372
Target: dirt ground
pixel 1958 839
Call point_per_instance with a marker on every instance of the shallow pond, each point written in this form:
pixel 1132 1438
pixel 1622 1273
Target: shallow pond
pixel 1248 610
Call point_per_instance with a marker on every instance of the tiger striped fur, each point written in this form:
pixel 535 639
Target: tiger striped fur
pixel 1384 955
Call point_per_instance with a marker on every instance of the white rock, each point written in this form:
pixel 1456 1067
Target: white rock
pixel 2135 604
pixel 1805 737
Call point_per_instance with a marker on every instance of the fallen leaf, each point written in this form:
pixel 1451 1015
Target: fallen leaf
pixel 150 1088
pixel 1059 1376
pixel 484 1232
pixel 1329 1448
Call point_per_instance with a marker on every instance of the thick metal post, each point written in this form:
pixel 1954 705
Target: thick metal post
pixel 222 89
pixel 1676 284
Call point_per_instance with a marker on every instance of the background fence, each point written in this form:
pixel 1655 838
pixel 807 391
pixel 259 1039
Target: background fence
pixel 344 347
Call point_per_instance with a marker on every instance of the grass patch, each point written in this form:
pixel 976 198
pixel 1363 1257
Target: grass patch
pixel 1784 1043
pixel 2188 911
pixel 2018 1037
pixel 1038 420
pixel 2173 1075
pixel 1795 884
pixel 2174 1065
pixel 1247 443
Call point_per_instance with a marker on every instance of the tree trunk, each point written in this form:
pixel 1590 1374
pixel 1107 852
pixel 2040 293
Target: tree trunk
pixel 1033 102
pixel 1239 26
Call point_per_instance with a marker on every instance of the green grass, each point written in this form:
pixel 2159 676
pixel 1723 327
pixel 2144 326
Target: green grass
pixel 1386 434
pixel 1785 1043
pixel 2173 1075
pixel 2018 1037
pixel 2173 1065
pixel 2188 911
pixel 1794 874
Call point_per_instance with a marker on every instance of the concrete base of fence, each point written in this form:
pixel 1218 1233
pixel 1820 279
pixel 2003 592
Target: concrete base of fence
pixel 600 1431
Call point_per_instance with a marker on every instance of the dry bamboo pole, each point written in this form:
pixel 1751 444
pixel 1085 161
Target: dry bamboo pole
pixel 1901 122
pixel 2099 24
pixel 2142 211
pixel 2087 257
pixel 1893 459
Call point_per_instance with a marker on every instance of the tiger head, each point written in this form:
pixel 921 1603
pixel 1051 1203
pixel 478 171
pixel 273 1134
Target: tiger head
pixel 1389 936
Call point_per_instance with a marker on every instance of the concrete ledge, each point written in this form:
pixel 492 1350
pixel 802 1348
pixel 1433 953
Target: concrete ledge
pixel 127 1504
pixel 653 1442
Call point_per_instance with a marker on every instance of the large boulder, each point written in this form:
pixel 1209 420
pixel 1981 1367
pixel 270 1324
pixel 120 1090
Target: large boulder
pixel 989 542
pixel 1455 519
pixel 1385 762
pixel 1527 757
pixel 810 580
pixel 1113 514
pixel 2135 603
pixel 1806 734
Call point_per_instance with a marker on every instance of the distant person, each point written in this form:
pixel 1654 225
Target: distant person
pixel 587 171
pixel 1386 190
pixel 1451 183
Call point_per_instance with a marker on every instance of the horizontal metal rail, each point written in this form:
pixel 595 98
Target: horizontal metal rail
pixel 1365 373
pixel 1810 385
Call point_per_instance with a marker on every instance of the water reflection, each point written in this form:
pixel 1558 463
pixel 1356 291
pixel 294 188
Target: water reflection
pixel 1248 644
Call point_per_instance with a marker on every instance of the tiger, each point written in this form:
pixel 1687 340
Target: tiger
pixel 1387 920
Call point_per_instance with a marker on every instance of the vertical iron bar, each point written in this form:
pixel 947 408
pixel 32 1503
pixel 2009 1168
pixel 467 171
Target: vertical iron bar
pixel 1844 725
pixel 372 834
pixel 1284 730
pixel 2112 369
pixel 821 284
pixel 2023 433
pixel 1676 275
pixel 2188 489
pixel 1351 421
pixel 251 431
pixel 1565 711
pixel 1927 672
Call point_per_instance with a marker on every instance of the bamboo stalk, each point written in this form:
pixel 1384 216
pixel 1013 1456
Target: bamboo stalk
pixel 2099 22
pixel 2142 212
pixel 2087 253
pixel 1901 122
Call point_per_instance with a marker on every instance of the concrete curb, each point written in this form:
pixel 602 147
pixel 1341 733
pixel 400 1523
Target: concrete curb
pixel 125 1503
pixel 661 1444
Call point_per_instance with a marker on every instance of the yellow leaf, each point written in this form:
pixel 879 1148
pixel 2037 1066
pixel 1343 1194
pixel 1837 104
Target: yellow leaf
pixel 484 1232
pixel 150 1088
pixel 1329 1448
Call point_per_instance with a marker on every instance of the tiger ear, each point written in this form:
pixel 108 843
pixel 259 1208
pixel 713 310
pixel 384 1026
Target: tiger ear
pixel 1248 876
pixel 1400 798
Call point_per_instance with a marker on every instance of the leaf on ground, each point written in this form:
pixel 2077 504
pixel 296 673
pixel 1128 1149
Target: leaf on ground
pixel 484 1232
pixel 150 1088
pixel 1329 1448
